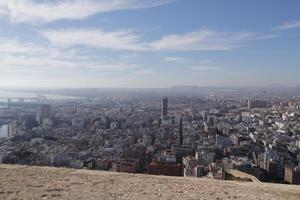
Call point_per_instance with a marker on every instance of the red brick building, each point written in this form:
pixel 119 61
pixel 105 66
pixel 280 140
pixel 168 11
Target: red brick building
pixel 127 165
pixel 164 169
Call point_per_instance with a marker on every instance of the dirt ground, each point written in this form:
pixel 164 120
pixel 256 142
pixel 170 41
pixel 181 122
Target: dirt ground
pixel 22 182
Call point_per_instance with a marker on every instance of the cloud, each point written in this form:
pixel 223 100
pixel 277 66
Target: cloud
pixel 289 25
pixel 44 63
pixel 24 56
pixel 206 69
pixel 119 40
pixel 144 72
pixel 15 46
pixel 267 37
pixel 42 12
pixel 203 40
pixel 174 59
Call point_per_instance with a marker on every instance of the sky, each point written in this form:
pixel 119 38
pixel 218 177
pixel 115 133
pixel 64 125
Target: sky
pixel 149 43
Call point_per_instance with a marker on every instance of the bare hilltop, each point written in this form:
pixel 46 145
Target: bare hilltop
pixel 24 182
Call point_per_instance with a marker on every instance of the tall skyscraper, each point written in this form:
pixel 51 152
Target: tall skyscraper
pixel 46 111
pixel 164 111
pixel 180 131
pixel 249 104
pixel 12 128
pixel 43 113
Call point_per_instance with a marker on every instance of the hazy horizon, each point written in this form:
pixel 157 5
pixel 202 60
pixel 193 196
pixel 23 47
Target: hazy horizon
pixel 274 86
pixel 149 43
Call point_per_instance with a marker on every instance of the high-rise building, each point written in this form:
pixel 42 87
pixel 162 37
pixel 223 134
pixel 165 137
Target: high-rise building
pixel 249 104
pixel 164 111
pixel 12 128
pixel 180 131
pixel 43 113
pixel 46 111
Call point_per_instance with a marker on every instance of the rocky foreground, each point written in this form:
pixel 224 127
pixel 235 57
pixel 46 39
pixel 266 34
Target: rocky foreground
pixel 22 182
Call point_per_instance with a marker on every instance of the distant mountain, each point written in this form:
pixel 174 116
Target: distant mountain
pixel 277 86
pixel 189 87
pixel 190 90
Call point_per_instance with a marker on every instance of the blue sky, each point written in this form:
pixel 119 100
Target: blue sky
pixel 149 43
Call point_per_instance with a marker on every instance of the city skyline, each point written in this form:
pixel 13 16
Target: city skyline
pixel 149 44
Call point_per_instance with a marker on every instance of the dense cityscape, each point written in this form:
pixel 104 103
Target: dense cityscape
pixel 206 136
pixel 149 99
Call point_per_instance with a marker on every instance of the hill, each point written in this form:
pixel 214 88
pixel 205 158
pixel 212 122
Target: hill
pixel 23 182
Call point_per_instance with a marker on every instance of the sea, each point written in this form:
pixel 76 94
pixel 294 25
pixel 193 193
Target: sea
pixel 5 94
